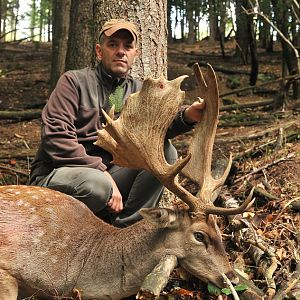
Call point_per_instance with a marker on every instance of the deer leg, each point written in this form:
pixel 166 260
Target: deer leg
pixel 8 286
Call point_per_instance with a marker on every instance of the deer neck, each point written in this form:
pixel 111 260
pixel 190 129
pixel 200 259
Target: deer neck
pixel 132 252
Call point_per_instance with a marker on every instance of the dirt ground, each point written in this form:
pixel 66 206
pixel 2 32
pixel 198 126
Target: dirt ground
pixel 264 143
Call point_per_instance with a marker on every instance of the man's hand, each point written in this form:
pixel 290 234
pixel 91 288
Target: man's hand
pixel 194 112
pixel 115 204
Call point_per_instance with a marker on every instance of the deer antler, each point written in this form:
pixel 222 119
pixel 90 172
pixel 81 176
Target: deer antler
pixel 198 168
pixel 136 138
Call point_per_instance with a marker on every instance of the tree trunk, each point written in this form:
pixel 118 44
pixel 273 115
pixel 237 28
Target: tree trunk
pixel 49 22
pixel 253 51
pixel 212 21
pixel 182 23
pixel 61 16
pixel 169 22
pixel 265 36
pixel 191 39
pixel 16 21
pixel 3 19
pixel 281 11
pixel 150 16
pixel 32 18
pixel 222 25
pixel 242 36
pixel 1 12
pixel 80 51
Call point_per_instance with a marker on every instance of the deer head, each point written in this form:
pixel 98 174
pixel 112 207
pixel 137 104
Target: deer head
pixel 136 140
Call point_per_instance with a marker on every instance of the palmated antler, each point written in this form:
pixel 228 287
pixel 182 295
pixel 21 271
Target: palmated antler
pixel 136 138
pixel 198 168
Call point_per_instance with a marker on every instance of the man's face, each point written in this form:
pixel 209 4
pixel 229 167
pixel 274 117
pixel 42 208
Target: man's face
pixel 117 53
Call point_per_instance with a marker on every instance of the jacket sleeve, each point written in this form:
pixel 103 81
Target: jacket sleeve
pixel 59 137
pixel 179 126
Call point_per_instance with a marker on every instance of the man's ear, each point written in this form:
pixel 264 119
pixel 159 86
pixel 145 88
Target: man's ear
pixel 98 51
pixel 138 52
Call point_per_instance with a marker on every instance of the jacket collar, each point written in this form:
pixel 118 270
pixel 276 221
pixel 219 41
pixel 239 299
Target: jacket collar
pixel 107 79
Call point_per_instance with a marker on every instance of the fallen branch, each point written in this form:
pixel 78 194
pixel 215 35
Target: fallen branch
pixel 271 144
pixel 229 284
pixel 263 168
pixel 247 105
pixel 255 135
pixel 261 253
pixel 158 278
pixel 20 115
pixel 236 91
pixel 23 153
pixel 13 170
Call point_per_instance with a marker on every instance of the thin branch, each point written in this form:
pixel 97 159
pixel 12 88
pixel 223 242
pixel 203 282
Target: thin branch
pixel 262 168
pixel 233 291
pixel 266 19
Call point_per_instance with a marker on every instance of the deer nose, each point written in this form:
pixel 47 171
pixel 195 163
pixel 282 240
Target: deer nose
pixel 232 277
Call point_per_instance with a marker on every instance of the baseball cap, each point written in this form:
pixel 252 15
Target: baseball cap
pixel 113 25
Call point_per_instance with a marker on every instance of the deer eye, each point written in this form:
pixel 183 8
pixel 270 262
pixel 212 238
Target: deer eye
pixel 199 236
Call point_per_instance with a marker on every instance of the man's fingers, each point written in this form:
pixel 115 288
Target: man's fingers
pixel 200 103
pixel 115 204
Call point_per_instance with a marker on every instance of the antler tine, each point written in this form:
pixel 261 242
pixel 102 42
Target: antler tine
pixel 199 167
pixel 136 138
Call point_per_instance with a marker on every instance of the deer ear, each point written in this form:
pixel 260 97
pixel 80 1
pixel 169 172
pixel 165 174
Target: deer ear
pixel 161 217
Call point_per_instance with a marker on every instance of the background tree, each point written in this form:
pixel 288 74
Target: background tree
pixel 80 51
pixel 191 20
pixel 282 14
pixel 265 30
pixel 33 17
pixel 61 20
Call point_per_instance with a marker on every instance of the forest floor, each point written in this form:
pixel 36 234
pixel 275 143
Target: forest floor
pixel 264 143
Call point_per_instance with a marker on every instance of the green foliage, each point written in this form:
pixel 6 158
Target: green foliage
pixel 116 99
pixel 215 291
pixel 233 82
pixel 3 72
pixel 238 288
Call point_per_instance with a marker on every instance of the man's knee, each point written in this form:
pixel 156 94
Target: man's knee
pixel 90 186
pixel 95 190
pixel 170 152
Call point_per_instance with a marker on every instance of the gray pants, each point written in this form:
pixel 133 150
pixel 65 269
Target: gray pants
pixel 139 188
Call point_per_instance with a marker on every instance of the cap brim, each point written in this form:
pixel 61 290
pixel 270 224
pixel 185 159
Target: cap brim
pixel 111 31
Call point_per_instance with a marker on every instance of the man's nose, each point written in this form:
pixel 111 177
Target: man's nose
pixel 120 51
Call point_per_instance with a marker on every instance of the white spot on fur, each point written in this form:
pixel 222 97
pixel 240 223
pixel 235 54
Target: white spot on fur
pixel 20 202
pixel 49 209
pixel 54 260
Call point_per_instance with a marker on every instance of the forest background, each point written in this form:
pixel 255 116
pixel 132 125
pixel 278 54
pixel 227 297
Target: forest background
pixel 253 47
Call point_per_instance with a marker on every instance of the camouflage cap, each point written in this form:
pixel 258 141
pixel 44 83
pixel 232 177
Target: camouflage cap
pixel 113 25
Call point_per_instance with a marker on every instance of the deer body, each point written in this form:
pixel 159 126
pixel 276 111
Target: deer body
pixel 52 244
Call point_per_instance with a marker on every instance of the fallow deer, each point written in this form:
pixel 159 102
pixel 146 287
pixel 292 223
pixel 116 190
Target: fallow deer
pixel 52 245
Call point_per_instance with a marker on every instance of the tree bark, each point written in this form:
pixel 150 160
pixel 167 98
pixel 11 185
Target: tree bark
pixel 212 21
pixel 61 18
pixel 151 20
pixel 81 46
pixel 191 39
pixel 282 17
pixel 242 36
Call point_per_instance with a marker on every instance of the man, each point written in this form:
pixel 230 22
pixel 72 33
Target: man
pixel 68 161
